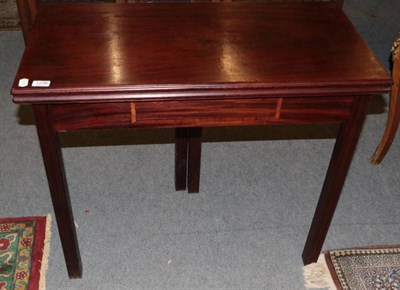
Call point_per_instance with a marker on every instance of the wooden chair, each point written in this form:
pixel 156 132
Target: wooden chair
pixel 394 108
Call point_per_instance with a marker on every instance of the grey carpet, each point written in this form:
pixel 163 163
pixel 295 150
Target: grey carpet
pixel 259 188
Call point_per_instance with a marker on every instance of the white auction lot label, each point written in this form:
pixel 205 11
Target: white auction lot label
pixel 41 83
pixel 23 82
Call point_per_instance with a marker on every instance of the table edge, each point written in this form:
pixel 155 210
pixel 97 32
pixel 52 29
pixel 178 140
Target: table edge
pixel 195 92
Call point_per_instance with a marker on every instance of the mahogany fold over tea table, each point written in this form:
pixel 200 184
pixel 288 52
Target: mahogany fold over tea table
pixel 193 65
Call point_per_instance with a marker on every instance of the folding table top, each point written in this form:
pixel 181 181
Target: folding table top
pixel 105 52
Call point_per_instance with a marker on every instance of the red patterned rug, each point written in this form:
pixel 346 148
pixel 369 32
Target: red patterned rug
pixel 24 249
pixel 359 268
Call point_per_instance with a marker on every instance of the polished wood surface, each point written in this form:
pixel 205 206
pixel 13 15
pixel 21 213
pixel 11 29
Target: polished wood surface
pixel 27 10
pixel 393 121
pixel 193 65
pixel 205 113
pixel 103 52
pixel 339 165
pixel 53 161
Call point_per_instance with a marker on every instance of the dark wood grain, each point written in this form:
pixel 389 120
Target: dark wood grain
pixel 113 52
pixel 234 112
pixel 337 171
pixel 53 162
pixel 315 110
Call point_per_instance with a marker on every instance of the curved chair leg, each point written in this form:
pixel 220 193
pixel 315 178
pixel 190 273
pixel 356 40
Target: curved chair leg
pixel 390 131
pixel 394 109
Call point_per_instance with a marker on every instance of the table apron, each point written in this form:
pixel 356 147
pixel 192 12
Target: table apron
pixel 202 113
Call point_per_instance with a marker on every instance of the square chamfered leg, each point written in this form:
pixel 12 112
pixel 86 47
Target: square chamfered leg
pixel 337 171
pixel 181 152
pixel 194 159
pixel 52 157
pixel 187 159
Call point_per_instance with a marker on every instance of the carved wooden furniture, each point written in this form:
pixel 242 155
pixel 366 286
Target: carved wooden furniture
pixel 196 65
pixel 393 121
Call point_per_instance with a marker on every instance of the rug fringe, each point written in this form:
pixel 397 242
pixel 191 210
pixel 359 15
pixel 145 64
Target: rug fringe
pixel 46 253
pixel 317 275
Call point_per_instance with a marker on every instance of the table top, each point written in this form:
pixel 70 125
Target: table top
pixel 115 52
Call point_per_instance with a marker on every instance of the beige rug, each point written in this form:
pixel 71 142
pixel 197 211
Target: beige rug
pixel 370 268
pixel 9 19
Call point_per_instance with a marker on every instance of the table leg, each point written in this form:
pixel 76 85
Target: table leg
pixel 194 159
pixel 339 165
pixel 181 153
pixel 53 162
